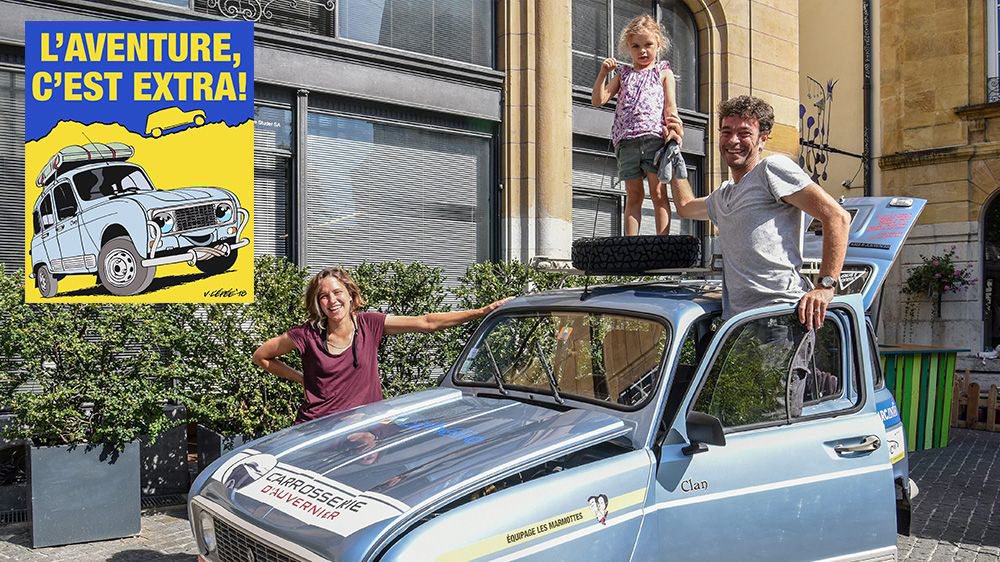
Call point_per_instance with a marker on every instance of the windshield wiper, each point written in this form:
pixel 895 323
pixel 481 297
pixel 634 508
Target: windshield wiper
pixel 496 369
pixel 548 373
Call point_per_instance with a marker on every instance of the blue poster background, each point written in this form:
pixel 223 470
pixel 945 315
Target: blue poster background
pixel 42 116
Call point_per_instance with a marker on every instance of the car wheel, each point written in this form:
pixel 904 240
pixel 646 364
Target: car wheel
pixel 46 282
pixel 619 255
pixel 120 268
pixel 199 120
pixel 217 265
pixel 156 132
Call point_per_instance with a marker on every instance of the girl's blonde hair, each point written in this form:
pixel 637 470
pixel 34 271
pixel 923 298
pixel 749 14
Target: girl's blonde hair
pixel 644 24
pixel 314 314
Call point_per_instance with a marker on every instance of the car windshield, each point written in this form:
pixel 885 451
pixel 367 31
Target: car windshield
pixel 110 180
pixel 607 358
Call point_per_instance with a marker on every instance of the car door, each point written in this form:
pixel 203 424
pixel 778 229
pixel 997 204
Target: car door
pixel 68 229
pixel 804 473
pixel 47 238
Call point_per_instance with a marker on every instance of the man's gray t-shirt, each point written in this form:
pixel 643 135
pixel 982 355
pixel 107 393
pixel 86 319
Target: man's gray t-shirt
pixel 760 236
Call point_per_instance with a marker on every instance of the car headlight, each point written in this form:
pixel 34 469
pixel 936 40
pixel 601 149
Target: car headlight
pixel 208 532
pixel 165 220
pixel 223 212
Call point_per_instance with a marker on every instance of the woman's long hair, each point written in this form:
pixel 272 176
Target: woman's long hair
pixel 314 314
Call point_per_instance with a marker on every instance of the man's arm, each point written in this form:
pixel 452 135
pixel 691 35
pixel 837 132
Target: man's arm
pixel 688 206
pixel 836 225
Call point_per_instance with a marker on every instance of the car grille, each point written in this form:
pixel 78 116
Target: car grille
pixel 190 218
pixel 236 546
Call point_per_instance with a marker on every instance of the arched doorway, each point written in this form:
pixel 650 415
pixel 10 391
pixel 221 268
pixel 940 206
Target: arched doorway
pixel 991 273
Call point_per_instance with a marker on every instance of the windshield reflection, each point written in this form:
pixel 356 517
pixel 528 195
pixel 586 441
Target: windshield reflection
pixel 607 358
pixel 112 180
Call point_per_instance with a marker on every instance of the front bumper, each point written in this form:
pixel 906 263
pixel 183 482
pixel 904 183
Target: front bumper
pixel 236 538
pixel 194 255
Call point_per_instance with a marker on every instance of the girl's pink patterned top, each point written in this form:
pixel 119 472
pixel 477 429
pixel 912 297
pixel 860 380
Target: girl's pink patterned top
pixel 640 102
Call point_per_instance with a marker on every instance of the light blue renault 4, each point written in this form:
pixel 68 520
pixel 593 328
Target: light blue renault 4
pixel 624 422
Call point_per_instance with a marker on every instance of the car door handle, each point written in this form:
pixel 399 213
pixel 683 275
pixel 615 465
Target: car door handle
pixel 867 445
pixel 60 227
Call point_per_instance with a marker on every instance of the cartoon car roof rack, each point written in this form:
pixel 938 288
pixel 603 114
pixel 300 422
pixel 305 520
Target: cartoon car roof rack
pixel 77 155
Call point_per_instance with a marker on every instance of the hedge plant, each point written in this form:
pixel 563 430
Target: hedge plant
pixel 212 348
pixel 97 370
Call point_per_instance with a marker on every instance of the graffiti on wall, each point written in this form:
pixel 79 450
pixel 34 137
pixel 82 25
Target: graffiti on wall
pixel 814 127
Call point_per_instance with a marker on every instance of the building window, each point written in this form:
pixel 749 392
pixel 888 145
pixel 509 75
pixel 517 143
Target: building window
pixel 459 30
pixel 596 25
pixel 993 51
pixel 272 179
pixel 597 202
pixel 382 191
pixel 12 164
pixel 682 30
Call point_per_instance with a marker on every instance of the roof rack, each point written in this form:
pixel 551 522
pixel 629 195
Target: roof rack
pixel 562 265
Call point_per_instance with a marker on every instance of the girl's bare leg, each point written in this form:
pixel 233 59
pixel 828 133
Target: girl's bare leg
pixel 661 203
pixel 633 205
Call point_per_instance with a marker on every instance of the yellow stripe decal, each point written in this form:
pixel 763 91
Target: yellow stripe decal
pixel 539 529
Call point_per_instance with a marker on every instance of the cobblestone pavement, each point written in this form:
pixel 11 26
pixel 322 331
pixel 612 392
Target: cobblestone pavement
pixel 953 516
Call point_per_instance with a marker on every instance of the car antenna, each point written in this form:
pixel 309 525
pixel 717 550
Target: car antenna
pixel 92 143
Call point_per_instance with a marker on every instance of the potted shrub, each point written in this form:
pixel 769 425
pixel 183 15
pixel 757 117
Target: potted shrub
pixel 230 398
pixel 101 384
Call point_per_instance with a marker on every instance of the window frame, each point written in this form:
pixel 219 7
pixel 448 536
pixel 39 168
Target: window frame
pixel 485 327
pixel 993 51
pixel 851 355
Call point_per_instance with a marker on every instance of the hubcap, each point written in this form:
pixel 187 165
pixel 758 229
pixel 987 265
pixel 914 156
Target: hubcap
pixel 43 281
pixel 120 267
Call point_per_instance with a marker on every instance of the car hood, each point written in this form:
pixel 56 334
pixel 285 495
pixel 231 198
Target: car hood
pixel 173 197
pixel 338 485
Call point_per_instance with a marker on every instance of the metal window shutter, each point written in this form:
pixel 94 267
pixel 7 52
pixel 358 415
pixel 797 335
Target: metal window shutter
pixel 379 192
pixel 596 173
pixel 12 165
pixel 608 216
pixel 271 173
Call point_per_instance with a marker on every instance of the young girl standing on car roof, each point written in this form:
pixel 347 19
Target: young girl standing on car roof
pixel 645 99
pixel 339 344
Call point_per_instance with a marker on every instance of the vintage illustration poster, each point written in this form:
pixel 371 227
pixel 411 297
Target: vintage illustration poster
pixel 139 162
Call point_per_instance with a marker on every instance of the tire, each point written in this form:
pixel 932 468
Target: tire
pixel 622 255
pixel 199 120
pixel 119 266
pixel 156 132
pixel 217 265
pixel 47 284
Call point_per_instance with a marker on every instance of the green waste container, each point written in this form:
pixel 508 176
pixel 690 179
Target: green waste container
pixel 921 379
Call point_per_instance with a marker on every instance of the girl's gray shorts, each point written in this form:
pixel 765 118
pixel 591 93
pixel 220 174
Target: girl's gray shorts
pixel 635 156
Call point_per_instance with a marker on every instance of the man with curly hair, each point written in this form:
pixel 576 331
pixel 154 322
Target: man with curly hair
pixel 759 216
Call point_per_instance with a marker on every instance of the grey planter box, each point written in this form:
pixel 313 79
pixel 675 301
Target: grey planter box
pixel 80 494
pixel 164 463
pixel 212 445
pixel 13 496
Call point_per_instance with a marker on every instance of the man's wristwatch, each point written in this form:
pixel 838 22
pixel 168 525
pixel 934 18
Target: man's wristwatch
pixel 827 282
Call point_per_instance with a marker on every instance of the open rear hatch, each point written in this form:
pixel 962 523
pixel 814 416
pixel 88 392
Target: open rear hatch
pixel 879 227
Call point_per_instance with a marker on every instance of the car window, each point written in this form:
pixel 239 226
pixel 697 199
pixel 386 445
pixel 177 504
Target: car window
pixel 65 202
pixel 772 370
pixel 45 210
pixel 110 180
pixel 875 361
pixel 36 222
pixel 599 357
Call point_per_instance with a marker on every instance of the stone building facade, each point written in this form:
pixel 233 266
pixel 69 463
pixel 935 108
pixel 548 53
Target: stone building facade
pixel 939 116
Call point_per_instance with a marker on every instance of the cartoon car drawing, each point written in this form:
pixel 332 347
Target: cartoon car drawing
pixel 171 118
pixel 100 214
pixel 616 422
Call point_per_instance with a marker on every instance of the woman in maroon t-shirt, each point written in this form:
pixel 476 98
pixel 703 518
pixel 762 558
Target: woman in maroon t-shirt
pixel 339 345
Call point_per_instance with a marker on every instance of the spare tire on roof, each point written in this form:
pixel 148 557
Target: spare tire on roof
pixel 623 255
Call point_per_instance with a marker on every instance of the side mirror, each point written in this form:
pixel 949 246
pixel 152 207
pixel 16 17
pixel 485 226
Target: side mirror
pixel 703 430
